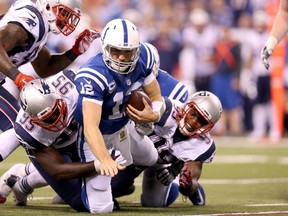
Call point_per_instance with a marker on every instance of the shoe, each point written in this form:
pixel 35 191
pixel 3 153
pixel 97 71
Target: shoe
pixel 20 196
pixel 4 188
pixel 199 197
pixel 116 206
pixel 57 200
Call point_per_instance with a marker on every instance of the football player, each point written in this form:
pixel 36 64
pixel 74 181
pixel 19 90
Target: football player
pixel 182 136
pixel 23 34
pixel 46 128
pixel 122 184
pixel 278 32
pixel 104 84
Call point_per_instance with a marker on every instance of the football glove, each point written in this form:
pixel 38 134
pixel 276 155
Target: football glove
pixel 22 79
pixel 117 156
pixel 84 40
pixel 185 182
pixel 267 50
pixel 168 174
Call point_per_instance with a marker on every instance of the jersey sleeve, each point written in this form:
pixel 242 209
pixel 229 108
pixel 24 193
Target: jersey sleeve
pixel 91 85
pixel 30 18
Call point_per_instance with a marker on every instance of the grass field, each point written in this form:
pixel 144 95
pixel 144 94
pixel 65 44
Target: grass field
pixel 244 179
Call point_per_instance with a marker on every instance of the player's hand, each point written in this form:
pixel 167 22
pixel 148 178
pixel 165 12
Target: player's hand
pixel 108 167
pixel 265 54
pixel 147 115
pixel 185 182
pixel 84 40
pixel 268 49
pixel 165 176
pixel 22 79
pixel 117 156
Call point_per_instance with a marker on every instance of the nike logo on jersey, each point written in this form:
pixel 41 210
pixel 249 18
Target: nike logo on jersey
pixel 87 81
pixel 112 86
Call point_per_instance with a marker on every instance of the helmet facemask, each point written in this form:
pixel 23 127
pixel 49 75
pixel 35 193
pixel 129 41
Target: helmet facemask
pixel 122 67
pixel 66 18
pixel 192 121
pixel 53 119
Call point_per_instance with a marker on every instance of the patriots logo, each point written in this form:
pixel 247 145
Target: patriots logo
pixel 31 23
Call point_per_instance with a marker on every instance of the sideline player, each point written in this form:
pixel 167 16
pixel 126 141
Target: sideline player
pixel 277 33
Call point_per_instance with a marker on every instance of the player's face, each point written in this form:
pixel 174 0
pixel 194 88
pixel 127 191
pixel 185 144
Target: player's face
pixel 121 55
pixel 194 120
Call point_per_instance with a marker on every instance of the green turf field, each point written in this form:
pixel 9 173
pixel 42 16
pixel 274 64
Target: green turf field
pixel 244 179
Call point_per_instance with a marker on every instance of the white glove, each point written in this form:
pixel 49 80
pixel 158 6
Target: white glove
pixel 144 129
pixel 267 50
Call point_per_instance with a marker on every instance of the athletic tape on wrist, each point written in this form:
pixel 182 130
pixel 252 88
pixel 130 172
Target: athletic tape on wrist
pixel 158 107
pixel 97 165
pixel 271 42
pixel 13 73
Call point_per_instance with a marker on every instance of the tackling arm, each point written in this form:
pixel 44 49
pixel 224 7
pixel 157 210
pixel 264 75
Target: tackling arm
pixel 52 161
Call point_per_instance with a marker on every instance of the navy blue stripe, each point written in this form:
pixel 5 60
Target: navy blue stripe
pixel 125 31
pixel 27 137
pixel 178 92
pixel 206 155
pixel 166 113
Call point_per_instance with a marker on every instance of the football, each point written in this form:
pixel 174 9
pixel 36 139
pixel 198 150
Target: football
pixel 135 100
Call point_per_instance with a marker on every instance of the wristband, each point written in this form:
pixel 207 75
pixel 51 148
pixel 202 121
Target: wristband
pixel 97 165
pixel 71 55
pixel 158 107
pixel 13 73
pixel 271 42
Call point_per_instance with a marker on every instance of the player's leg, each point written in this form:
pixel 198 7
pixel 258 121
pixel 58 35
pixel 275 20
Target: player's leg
pixel 9 108
pixel 68 190
pixel 16 170
pixel 154 193
pixel 96 192
pixel 142 148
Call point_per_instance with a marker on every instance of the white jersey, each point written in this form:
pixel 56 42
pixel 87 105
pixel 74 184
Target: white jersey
pixel 25 13
pixel 33 136
pixel 182 147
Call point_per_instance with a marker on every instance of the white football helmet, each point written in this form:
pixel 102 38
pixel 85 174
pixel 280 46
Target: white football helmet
pixel 45 108
pixel 199 114
pixel 156 59
pixel 120 35
pixel 63 15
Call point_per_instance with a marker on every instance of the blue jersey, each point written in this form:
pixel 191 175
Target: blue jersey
pixel 97 83
pixel 172 88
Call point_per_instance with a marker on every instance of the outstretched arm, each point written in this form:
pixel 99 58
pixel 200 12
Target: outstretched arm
pixel 52 161
pixel 278 32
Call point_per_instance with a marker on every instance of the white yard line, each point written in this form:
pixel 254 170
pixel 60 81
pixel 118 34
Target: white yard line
pixel 242 213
